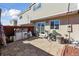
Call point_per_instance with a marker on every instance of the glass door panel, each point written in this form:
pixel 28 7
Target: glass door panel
pixel 40 27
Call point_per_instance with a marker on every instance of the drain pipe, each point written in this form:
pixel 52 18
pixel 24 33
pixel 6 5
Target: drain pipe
pixel 69 26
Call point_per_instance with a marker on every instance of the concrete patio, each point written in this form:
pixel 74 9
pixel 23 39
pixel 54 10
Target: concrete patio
pixel 32 47
pixel 51 47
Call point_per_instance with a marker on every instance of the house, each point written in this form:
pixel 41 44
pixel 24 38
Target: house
pixel 13 22
pixel 54 16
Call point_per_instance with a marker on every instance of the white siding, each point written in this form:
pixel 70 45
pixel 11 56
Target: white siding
pixel 25 19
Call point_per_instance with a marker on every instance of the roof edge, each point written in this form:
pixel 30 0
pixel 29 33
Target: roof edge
pixel 56 16
pixel 29 8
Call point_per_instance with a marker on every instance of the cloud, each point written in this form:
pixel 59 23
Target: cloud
pixel 8 15
pixel 4 13
pixel 13 13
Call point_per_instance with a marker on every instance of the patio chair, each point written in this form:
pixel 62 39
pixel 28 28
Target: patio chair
pixel 53 35
pixel 42 35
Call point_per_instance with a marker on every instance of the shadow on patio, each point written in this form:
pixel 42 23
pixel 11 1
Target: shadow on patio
pixel 18 48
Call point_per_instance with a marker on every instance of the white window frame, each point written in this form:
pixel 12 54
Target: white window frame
pixel 54 24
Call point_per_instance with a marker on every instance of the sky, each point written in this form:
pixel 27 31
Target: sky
pixel 11 10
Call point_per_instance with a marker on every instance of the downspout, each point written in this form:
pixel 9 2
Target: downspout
pixel 68 12
pixel 69 26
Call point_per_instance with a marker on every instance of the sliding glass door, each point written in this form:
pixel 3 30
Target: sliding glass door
pixel 40 27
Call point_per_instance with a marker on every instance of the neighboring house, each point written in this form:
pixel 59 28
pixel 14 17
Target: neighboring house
pixel 53 16
pixel 24 18
pixel 13 22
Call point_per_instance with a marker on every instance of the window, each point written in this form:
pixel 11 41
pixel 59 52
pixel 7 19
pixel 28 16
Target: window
pixel 38 26
pixel 20 17
pixel 36 6
pixel 15 22
pixel 54 24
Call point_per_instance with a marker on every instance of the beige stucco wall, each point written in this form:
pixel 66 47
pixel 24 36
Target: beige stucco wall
pixel 63 28
pixel 46 9
pixel 75 33
pixel 50 9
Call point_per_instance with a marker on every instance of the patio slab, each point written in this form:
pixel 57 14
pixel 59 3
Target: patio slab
pixel 33 47
pixel 50 47
pixel 18 48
